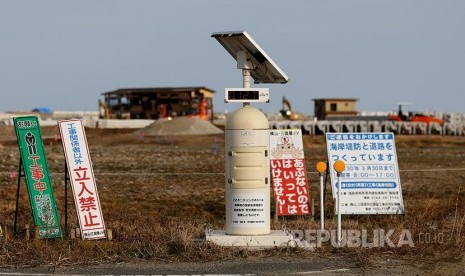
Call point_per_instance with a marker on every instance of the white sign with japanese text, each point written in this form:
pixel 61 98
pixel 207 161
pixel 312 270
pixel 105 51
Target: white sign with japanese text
pixel 248 209
pixel 82 179
pixel 370 181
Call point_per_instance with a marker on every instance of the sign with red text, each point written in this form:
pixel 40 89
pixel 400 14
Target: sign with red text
pixel 82 179
pixel 288 172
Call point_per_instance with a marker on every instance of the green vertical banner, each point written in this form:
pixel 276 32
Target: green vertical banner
pixel 37 176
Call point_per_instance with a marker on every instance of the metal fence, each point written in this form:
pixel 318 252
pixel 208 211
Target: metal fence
pixel 455 128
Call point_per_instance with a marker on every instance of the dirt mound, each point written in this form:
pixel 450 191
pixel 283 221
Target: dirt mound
pixel 179 126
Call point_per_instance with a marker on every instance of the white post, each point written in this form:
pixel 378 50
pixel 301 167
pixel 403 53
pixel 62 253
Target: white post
pixel 322 204
pixel 339 167
pixel 339 235
pixel 321 168
pixel 246 82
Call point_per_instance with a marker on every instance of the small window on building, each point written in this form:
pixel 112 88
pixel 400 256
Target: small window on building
pixel 333 107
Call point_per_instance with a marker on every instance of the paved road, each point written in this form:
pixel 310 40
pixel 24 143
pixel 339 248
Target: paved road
pixel 238 267
pixel 274 266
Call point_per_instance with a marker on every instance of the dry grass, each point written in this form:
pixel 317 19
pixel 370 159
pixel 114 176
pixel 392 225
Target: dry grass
pixel 161 196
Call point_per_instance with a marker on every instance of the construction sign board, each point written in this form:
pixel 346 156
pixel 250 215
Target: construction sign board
pixel 81 175
pixel 288 172
pixel 37 177
pixel 370 183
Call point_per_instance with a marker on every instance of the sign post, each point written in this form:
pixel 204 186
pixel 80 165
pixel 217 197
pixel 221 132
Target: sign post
pixel 339 166
pixel 66 178
pixel 20 175
pixel 39 186
pixel 321 168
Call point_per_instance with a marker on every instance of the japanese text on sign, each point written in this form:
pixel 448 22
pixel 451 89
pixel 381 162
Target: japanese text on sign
pixel 370 183
pixel 288 172
pixel 37 177
pixel 248 210
pixel 82 180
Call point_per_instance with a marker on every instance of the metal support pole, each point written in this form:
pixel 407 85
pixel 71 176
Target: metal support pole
pixel 246 82
pixel 66 198
pixel 321 167
pixel 17 195
pixel 322 203
pixel 324 188
pixel 339 167
pixel 339 187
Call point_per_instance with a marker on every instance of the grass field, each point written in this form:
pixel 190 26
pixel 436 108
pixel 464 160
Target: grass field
pixel 160 195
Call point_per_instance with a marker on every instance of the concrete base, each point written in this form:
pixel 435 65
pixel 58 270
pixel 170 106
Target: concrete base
pixel 277 238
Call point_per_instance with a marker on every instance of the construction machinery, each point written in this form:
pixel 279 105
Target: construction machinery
pixel 413 116
pixel 287 112
pixel 104 112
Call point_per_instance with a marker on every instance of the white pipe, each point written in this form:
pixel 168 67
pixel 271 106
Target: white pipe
pixel 246 82
pixel 339 187
pixel 322 207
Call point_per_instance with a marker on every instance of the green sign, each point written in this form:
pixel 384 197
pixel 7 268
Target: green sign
pixel 37 176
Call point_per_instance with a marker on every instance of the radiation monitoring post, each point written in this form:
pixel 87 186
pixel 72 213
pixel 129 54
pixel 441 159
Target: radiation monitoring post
pixel 247 160
pixel 369 180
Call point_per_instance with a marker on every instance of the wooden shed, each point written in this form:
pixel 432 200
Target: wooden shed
pixel 329 107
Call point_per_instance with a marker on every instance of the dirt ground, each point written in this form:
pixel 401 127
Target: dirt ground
pixel 159 195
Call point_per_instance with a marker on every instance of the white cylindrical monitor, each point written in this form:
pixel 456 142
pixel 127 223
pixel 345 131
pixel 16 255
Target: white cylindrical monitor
pixel 247 178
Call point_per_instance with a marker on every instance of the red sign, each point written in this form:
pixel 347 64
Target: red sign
pixel 288 172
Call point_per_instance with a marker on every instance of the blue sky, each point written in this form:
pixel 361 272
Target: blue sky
pixel 64 54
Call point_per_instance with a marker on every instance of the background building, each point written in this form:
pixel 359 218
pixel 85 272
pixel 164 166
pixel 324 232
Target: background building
pixel 157 102
pixel 334 107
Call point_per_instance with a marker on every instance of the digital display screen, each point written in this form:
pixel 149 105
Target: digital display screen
pixel 246 95
pixel 243 95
